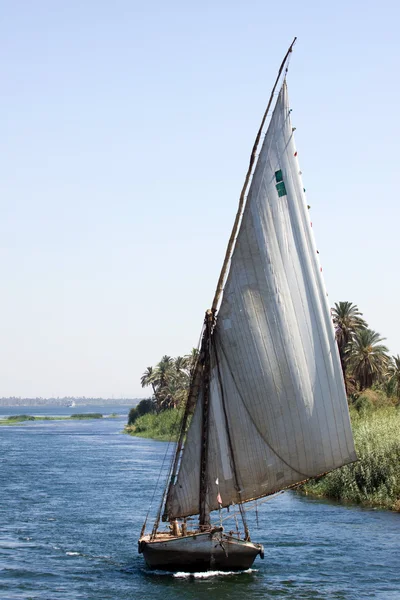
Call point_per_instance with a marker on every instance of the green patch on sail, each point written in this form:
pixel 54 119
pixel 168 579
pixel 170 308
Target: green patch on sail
pixel 281 189
pixel 280 184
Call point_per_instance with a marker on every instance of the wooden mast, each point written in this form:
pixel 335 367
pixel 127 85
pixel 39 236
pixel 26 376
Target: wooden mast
pixel 204 519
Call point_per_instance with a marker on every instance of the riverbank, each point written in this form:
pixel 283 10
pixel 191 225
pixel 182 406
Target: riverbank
pixel 163 426
pixel 18 419
pixel 374 480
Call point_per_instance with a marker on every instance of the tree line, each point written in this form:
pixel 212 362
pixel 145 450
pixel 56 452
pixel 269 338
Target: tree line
pixel 169 381
pixel 364 358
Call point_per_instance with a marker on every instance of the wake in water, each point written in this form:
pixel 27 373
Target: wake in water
pixel 199 575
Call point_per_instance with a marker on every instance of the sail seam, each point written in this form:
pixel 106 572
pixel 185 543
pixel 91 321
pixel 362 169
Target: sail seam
pixel 254 423
pixel 310 296
pixel 256 201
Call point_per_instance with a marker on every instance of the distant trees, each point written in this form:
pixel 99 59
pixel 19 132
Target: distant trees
pixel 368 360
pixel 393 383
pixel 347 321
pixel 170 380
pixel 364 358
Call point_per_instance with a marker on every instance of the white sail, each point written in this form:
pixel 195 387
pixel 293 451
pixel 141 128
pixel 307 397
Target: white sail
pixel 278 409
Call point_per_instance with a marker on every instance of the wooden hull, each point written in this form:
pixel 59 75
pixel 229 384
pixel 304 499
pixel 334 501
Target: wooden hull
pixel 199 552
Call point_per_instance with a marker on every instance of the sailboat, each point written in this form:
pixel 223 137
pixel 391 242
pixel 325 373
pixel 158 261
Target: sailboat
pixel 267 399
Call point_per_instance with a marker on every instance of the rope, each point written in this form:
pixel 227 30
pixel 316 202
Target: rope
pixel 154 490
pixel 252 507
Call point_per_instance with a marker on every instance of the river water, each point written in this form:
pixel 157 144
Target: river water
pixel 73 496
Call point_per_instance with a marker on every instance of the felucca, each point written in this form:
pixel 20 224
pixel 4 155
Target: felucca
pixel 267 393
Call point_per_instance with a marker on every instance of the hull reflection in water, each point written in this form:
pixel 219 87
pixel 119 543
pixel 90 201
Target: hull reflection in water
pixel 213 551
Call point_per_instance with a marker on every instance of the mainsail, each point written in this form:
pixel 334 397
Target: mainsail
pixel 278 411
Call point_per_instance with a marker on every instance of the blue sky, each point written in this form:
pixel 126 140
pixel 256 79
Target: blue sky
pixel 126 133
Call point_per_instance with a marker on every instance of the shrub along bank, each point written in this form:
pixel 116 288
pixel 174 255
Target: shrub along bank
pixel 374 480
pixel 163 426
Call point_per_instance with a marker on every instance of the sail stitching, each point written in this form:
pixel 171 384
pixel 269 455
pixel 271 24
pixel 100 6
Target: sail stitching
pixel 310 241
pixel 256 200
pixel 286 151
pixel 302 266
pixel 252 420
pixel 312 305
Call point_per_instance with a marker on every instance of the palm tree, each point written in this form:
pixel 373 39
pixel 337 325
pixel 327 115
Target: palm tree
pixel 163 370
pixel 170 380
pixel 394 375
pixel 180 364
pixel 369 360
pixel 148 379
pixel 163 373
pixel 347 322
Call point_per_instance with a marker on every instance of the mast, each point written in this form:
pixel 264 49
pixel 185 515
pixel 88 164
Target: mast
pixel 204 520
pixel 229 249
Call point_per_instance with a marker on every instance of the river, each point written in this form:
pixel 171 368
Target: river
pixel 73 496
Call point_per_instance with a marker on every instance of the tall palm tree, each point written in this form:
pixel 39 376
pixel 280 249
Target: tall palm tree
pixel 180 364
pixel 369 360
pixel 347 320
pixel 394 375
pixel 163 370
pixel 148 379
pixel 163 374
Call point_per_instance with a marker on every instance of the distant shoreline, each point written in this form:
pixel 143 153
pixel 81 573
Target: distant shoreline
pixel 20 419
pixel 66 402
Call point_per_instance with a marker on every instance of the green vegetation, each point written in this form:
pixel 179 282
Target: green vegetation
pixel 143 408
pixel 87 416
pixel 15 419
pixel 365 360
pixel 159 417
pixel 375 479
pixel 169 380
pixel 163 426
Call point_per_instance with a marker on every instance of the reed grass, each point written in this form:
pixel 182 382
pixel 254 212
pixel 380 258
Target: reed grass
pixel 86 416
pixel 373 480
